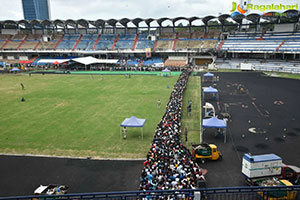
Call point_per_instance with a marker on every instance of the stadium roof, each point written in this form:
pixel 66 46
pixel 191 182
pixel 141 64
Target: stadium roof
pixel 83 23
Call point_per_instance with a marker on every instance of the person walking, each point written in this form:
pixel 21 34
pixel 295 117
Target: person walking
pixel 186 134
pixel 23 88
pixel 124 132
pixel 158 103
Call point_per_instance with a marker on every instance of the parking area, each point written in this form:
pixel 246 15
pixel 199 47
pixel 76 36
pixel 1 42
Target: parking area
pixel 269 106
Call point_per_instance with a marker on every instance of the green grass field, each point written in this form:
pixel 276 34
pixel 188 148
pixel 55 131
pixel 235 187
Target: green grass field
pixel 192 122
pixel 80 115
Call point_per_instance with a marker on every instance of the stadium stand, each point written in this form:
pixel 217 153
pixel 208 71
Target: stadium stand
pixel 144 43
pixel 167 35
pixel 269 42
pixel 68 41
pixel 173 61
pixel 125 42
pixel 152 62
pixel 197 35
pixel 164 44
pixel 106 42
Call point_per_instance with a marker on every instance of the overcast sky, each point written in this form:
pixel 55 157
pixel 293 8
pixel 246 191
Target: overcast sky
pixel 106 9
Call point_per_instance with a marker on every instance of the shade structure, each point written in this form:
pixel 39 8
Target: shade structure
pixel 55 63
pixel 91 60
pixel 133 122
pixel 210 90
pixel 208 74
pixel 28 61
pixel 213 123
pixel 50 61
pixel 166 70
pixel 15 69
pixel 22 61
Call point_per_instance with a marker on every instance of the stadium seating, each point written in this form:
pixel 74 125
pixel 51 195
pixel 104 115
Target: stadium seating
pixel 4 36
pixel 104 44
pixel 124 44
pixel 19 36
pixel 184 35
pixel 164 44
pixel 29 45
pixel 167 35
pixel 144 43
pixel 68 41
pixel 34 37
pixel 258 42
pixel 47 45
pixel 152 61
pixel 182 44
pixel 2 43
pixel 12 45
pixel 197 35
pixel 175 63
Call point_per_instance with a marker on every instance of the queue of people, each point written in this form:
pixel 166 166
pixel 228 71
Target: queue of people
pixel 169 164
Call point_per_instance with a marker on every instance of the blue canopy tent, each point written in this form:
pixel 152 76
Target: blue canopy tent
pixel 214 122
pixel 133 122
pixel 166 72
pixel 15 69
pixel 208 74
pixel 208 77
pixel 212 91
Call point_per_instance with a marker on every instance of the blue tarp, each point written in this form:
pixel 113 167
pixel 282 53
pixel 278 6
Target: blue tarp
pixel 213 123
pixel 133 122
pixel 15 69
pixel 210 90
pixel 208 74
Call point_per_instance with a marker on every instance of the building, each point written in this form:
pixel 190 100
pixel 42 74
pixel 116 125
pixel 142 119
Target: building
pixel 36 9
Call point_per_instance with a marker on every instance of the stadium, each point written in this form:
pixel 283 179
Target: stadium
pixel 69 87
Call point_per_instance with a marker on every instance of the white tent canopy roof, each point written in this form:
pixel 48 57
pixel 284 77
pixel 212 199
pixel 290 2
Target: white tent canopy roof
pixel 83 60
pixel 50 61
pixel 91 60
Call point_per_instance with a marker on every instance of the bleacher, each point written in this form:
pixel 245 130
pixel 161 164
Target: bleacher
pixel 260 65
pixel 164 44
pixel 175 61
pixel 263 42
pixel 144 43
pixel 87 41
pixel 153 62
pixel 68 41
pixel 106 42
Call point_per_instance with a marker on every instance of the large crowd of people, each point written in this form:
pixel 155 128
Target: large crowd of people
pixel 169 164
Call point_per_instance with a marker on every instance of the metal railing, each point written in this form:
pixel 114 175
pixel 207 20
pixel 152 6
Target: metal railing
pixel 230 193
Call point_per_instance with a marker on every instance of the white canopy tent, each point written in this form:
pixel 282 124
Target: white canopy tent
pixel 91 60
pixel 50 61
